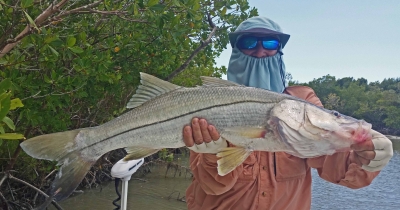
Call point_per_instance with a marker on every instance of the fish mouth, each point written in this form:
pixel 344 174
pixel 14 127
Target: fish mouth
pixel 355 132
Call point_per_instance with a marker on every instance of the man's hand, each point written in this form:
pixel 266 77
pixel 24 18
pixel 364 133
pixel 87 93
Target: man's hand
pixel 373 154
pixel 202 137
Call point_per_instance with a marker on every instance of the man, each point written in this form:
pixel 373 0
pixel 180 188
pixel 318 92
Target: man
pixel 268 180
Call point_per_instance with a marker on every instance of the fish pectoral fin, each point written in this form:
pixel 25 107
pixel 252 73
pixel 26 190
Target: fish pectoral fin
pixel 138 152
pixel 230 158
pixel 246 132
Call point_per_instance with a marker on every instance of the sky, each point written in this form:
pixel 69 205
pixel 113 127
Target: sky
pixel 342 38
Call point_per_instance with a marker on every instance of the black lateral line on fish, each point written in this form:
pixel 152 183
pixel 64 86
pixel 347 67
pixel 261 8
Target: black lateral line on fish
pixel 173 118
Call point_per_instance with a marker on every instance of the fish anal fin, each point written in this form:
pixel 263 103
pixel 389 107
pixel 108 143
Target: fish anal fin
pixel 230 158
pixel 247 132
pixel 150 88
pixel 138 152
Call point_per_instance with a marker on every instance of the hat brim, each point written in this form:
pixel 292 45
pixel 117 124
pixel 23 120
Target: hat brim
pixel 283 38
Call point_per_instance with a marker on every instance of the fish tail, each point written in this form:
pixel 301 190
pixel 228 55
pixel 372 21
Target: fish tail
pixel 64 148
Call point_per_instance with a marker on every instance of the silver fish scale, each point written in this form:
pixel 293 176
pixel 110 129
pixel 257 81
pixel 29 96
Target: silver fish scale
pixel 158 123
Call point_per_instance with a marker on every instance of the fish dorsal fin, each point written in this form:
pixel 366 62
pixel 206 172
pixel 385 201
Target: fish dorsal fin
pixel 216 82
pixel 150 87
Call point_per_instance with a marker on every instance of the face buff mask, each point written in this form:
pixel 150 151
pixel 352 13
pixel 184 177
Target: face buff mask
pixel 267 73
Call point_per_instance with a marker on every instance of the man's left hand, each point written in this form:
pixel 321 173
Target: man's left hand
pixel 373 154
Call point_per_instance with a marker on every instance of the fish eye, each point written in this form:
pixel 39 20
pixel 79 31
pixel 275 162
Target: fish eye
pixel 337 114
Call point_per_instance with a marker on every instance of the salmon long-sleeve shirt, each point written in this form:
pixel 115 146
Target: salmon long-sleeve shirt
pixel 269 180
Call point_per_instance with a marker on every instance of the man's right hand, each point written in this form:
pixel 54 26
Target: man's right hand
pixel 202 137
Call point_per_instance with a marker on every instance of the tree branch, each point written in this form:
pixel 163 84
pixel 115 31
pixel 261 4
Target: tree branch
pixel 133 20
pixel 80 10
pixel 76 10
pixel 196 51
pixel 43 20
pixel 52 94
pixel 11 28
pixel 4 178
pixel 37 190
pixel 40 19
pixel 4 201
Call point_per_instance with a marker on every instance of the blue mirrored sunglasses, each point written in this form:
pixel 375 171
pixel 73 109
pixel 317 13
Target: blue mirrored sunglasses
pixel 250 42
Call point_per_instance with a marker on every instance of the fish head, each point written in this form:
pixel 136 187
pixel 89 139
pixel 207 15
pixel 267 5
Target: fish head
pixel 305 127
pixel 337 125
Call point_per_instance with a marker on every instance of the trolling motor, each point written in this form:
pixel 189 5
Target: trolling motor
pixel 122 171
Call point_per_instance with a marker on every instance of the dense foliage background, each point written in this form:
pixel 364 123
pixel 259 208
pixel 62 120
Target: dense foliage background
pixel 72 64
pixel 376 102
pixel 75 64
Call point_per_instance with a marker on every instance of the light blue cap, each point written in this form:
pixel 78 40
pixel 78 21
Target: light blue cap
pixel 259 25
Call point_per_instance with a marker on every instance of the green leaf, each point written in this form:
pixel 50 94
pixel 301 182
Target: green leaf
pixel 4 95
pixel 53 50
pixel 196 6
pixel 223 12
pixel 5 105
pixel 176 3
pixel 82 36
pixel 13 136
pixel 15 103
pixel 9 123
pixel 161 23
pixel 3 61
pixel 31 21
pixel 48 39
pixel 135 9
pixel 5 85
pixel 152 3
pixel 71 41
pixel 175 21
pixel 1 129
pixel 158 7
pixel 76 49
pixel 26 3
pixel 53 75
pixel 47 79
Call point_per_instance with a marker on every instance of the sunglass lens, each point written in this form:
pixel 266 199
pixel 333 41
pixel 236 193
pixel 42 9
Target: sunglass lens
pixel 248 42
pixel 270 44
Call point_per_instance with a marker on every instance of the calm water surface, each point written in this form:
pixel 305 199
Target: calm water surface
pixel 162 193
pixel 382 194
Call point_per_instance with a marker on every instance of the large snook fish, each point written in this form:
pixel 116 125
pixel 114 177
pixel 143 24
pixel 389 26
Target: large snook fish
pixel 252 119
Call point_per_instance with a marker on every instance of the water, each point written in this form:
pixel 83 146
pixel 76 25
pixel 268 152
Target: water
pixel 382 194
pixel 156 192
pixel 162 193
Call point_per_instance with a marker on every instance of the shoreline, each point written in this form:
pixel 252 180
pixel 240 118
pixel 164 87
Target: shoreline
pixel 393 137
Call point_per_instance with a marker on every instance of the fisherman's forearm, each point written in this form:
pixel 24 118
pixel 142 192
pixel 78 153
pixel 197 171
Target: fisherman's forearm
pixel 338 169
pixel 356 177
